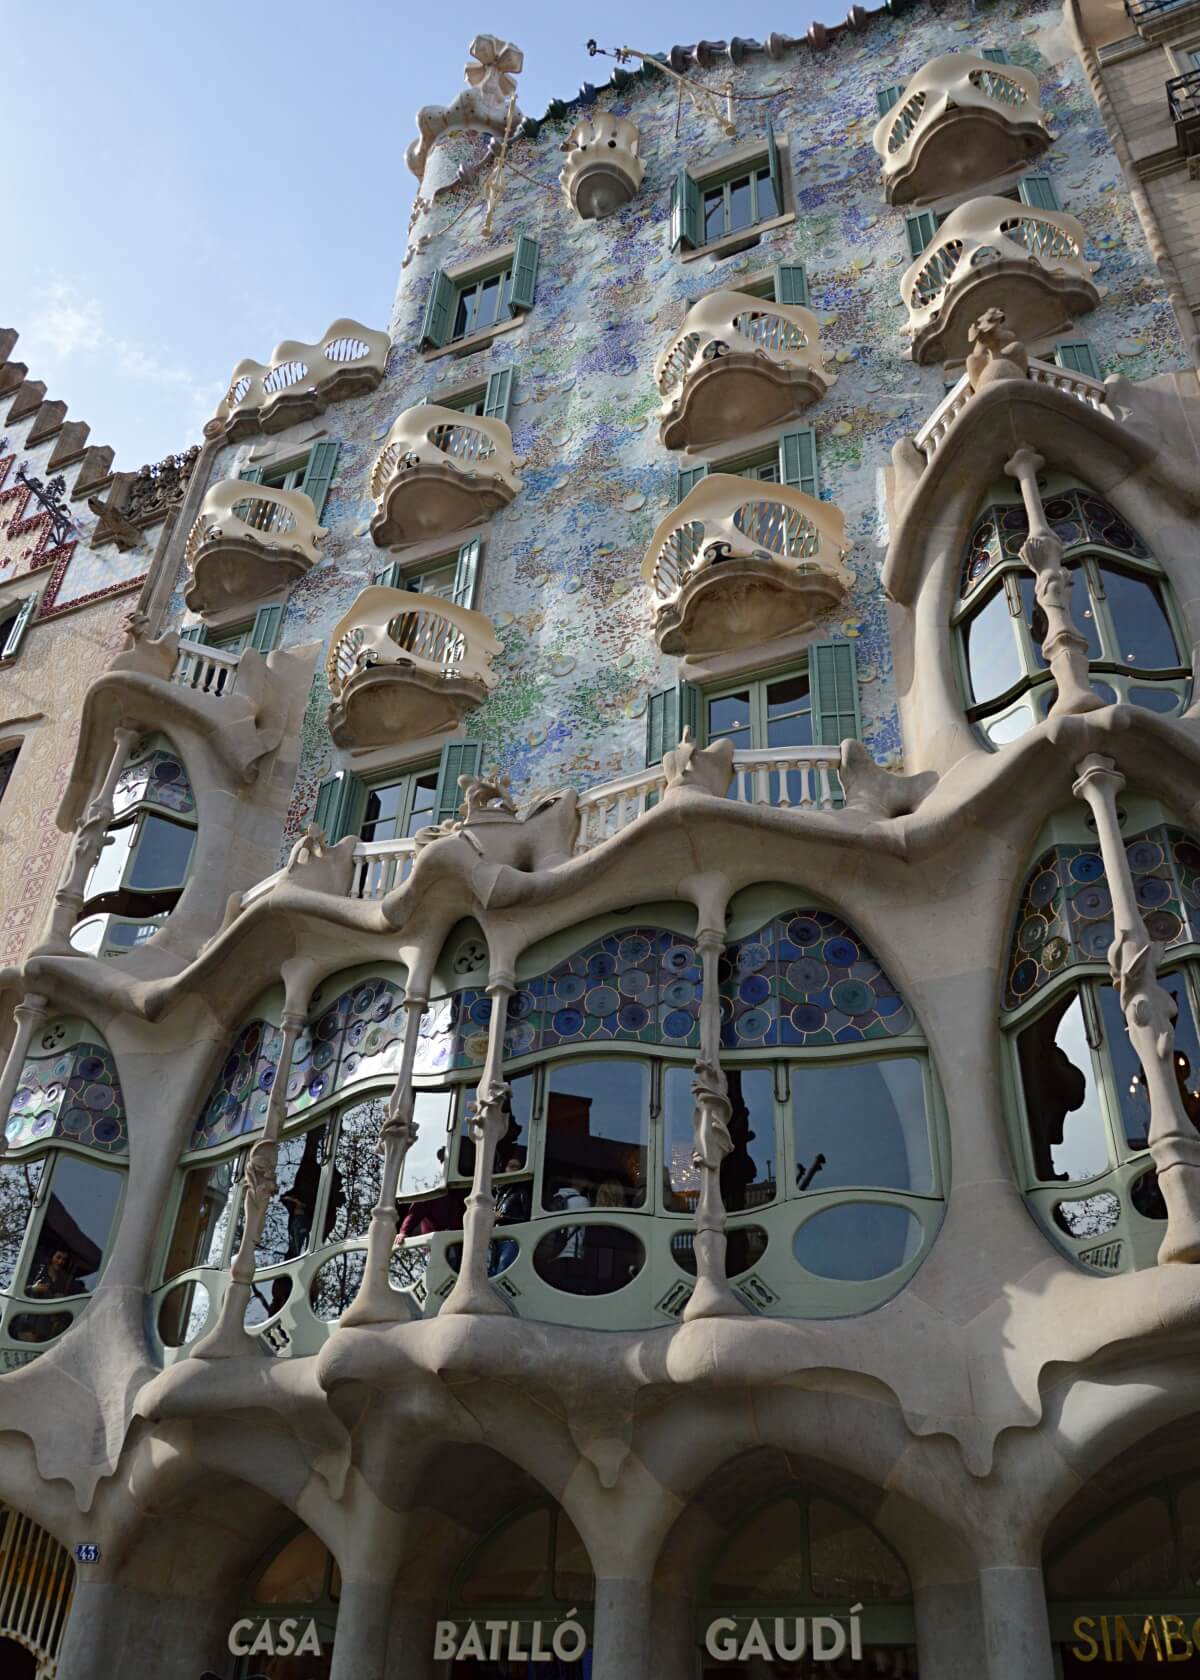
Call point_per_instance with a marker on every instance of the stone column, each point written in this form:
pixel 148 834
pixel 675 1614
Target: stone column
pixel 1149 1017
pixel 86 848
pixel 623 1646
pixel 1065 647
pixel 113 1629
pixel 377 1302
pixel 712 1296
pixel 30 1014
pixel 1016 1626
pixel 410 1641
pixel 360 1649
pixel 472 1292
pixel 950 1635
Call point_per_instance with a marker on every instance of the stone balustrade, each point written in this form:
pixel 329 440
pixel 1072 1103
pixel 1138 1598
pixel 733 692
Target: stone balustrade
pixel 248 541
pixel 739 363
pixel 300 380
pixel 738 562
pixel 440 471
pixel 1081 386
pixel 960 121
pixel 603 169
pixel 403 665
pixel 992 253
pixel 205 670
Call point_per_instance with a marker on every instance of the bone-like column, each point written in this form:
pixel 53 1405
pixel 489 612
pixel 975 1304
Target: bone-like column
pixel 1065 647
pixel 30 1014
pixel 377 1302
pixel 87 847
pixel 712 1296
pixel 472 1293
pixel 1150 1018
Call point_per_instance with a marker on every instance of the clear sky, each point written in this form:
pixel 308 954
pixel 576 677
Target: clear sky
pixel 189 184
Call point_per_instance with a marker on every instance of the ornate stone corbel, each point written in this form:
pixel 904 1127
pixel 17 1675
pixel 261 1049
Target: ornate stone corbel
pixel 712 1296
pixel 30 1014
pixel 706 769
pixel 1149 1011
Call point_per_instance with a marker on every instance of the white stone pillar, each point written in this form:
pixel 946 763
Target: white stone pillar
pixel 1016 1625
pixel 86 848
pixel 30 1014
pixel 360 1649
pixel 1149 1017
pixel 112 1629
pixel 712 1296
pixel 623 1646
pixel 950 1633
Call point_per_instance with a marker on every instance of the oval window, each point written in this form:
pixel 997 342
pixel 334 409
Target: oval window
pixel 267 1297
pixel 1090 1216
pixel 408 1265
pixel 183 1314
pixel 745 1246
pixel 501 1254
pixel 588 1259
pixel 38 1327
pixel 857 1241
pixel 336 1284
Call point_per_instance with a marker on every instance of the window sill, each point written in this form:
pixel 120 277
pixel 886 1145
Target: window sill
pixel 743 240
pixel 464 346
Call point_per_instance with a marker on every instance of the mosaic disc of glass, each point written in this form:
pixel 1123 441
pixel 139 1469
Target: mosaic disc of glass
pixel 637 986
pixel 1077 518
pixel 806 979
pixel 75 1096
pixel 359 1036
pixel 157 779
pixel 1066 915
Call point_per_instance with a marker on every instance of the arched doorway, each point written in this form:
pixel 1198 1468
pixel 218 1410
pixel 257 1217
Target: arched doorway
pixel 287 1623
pixel 17 1662
pixel 37 1579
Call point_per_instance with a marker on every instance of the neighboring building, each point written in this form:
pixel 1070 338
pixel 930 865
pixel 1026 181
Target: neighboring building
pixel 611 1075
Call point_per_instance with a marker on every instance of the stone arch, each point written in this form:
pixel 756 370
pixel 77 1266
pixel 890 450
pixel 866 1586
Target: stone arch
pixel 37 1580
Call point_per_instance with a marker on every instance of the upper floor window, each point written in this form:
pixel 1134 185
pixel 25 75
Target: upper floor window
pixel 771 711
pixel 484 298
pixel 452 577
pixel 399 805
pixel 8 763
pixel 15 620
pixel 710 208
pixel 312 473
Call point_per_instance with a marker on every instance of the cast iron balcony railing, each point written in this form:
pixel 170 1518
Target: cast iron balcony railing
pixel 300 380
pixel 247 542
pixel 1156 19
pixel 440 471
pixel 603 169
pixel 739 363
pixel 991 253
pixel 403 665
pixel 1183 101
pixel 739 563
pixel 960 121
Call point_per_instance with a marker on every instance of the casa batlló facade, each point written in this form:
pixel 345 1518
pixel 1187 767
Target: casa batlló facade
pixel 609 1086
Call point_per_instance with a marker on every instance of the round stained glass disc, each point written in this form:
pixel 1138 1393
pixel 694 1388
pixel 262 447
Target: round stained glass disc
pixel 1088 866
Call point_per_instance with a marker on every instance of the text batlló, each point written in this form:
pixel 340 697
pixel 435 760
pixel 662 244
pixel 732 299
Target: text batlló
pixel 494 1641
pixel 786 1638
pixel 274 1639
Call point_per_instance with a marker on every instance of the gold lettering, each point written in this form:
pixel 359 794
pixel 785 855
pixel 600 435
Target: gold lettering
pixel 1149 1636
pixel 1077 1651
pixel 1104 1634
pixel 1174 1628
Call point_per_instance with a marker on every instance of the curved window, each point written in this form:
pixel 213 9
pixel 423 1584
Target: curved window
pixel 141 872
pixel 288 1623
pixel 1082 1093
pixel 60 1186
pixel 1119 603
pixel 531 1568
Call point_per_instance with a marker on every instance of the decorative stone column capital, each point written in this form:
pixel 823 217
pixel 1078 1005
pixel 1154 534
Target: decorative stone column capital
pixel 500 981
pixel 1024 463
pixel 1099 773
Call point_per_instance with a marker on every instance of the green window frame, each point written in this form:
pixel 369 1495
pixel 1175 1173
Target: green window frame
pixel 920 229
pixel 828 698
pixel 887 97
pixel 1077 356
pixel 14 626
pixel 451 576
pixel 344 800
pixel 793 462
pixel 709 208
pixel 260 632
pixel 1038 192
pixel 311 473
pixel 487 296
pixel 996 55
pixel 491 401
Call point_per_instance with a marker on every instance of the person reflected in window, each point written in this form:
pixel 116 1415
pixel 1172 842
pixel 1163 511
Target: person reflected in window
pixel 738 1169
pixel 513 1204
pixel 300 1201
pixel 443 1212
pixel 54 1277
pixel 571 1197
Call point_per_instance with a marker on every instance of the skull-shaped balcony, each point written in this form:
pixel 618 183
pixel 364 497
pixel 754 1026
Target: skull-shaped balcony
pixel 992 253
pixel 248 541
pixel 603 169
pixel 403 665
pixel 959 122
pixel 739 363
pixel 440 471
pixel 739 563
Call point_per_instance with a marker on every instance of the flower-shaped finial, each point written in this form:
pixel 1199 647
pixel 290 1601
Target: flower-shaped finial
pixel 499 62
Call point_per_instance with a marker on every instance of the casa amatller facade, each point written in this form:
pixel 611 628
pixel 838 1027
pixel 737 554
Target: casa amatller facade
pixel 601 906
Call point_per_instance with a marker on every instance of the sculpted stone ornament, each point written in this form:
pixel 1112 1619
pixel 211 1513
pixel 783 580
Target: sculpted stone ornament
pixel 482 107
pixel 481 793
pixel 112 526
pixel 539 837
pixel 319 867
pixel 491 1118
pixel 704 769
pixel 870 788
pixel 997 353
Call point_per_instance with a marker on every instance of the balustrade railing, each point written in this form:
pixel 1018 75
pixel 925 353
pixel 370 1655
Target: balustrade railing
pixel 207 670
pixel 444 639
pixel 1183 97
pixel 347 346
pixel 1078 385
pixel 727 323
pixel 430 435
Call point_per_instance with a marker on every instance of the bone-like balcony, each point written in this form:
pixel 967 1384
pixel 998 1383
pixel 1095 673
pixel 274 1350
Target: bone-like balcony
pixel 439 471
pixel 738 364
pixel 992 253
pixel 247 542
pixel 403 665
pixel 960 121
pixel 738 563
pixel 300 380
pixel 603 169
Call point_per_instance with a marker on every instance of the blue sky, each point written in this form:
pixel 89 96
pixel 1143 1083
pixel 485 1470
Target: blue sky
pixel 190 184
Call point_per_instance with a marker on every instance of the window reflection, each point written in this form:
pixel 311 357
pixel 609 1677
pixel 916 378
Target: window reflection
pixel 75 1229
pixel 1143 630
pixel 288 1224
pixel 357 1168
pixel 513 1148
pixel 163 852
pixel 597 1115
pixel 425 1163
pixel 205 1209
pixel 861 1123
pixel 993 655
pixel 1132 1092
pixel 1062 1103
pixel 19 1182
pixel 748 1172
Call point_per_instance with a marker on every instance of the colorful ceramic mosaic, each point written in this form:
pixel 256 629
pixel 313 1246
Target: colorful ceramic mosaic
pixel 638 986
pixel 157 779
pixel 75 1097
pixel 1066 908
pixel 1079 519
pixel 806 979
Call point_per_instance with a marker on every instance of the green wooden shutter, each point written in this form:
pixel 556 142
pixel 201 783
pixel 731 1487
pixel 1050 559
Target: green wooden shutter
pixel 798 460
pixel 773 165
pixel 498 395
pixel 391 577
pixel 194 633
pixel 791 284
pixel 888 96
pixel 265 632
pixel 439 306
pixel 20 624
pixel 318 474
pixel 995 55
pixel 833 687
pixel 466 574
pixel 459 758
pixel 252 475
pixel 921 229
pixel 1079 357
pixel 1038 192
pixel 668 714
pixel 685 212
pixel 338 799
pixel 687 479
pixel 524 274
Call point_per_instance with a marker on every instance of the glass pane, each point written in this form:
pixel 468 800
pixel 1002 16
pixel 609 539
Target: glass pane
pixel 1010 727
pixel 993 656
pixel 384 805
pixel 1128 1553
pixel 439 581
pixel 357 1166
pixel 489 300
pixel 425 1163
pixel 573 1582
pixel 205 1209
pixel 741 213
pixel 848 1561
pixel 1163 699
pixel 764 1562
pixel 857 1241
pixel 1139 620
pixel 748 1172
pixel 861 1123
pixel 183 1314
pixel 714 213
pixel 336 1284
pixel 588 1259
pixel 424 792
pixel 512 1566
pixel 163 852
pixel 729 714
pixel 789 713
pixel 464 315
pixel 1062 1103
pixel 745 1246
pixel 767 204
pixel 513 1148
pixel 288 1224
pixel 596 1135
pixel 75 1228
pixel 297 1575
pixel 1130 1081
pixel 18 1187
pixel 110 865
